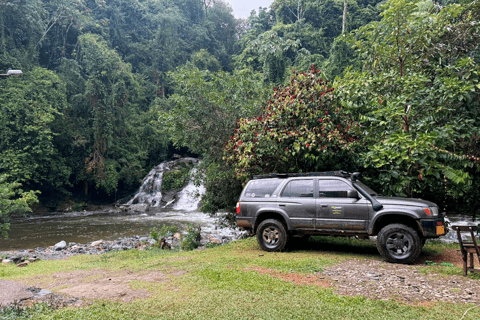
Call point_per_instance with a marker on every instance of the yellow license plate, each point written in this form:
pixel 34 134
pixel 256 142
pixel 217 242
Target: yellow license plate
pixel 440 230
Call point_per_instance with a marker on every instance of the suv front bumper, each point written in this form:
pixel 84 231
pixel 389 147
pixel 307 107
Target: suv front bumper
pixel 433 228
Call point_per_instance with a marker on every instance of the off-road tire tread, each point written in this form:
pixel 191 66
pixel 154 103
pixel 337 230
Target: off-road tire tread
pixel 381 241
pixel 283 243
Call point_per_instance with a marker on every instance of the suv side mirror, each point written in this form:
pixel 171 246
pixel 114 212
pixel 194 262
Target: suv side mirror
pixel 352 194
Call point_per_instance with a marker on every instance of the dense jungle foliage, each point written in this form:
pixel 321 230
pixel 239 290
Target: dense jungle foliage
pixel 111 88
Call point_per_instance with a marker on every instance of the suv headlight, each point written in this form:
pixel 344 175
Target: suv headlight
pixel 432 211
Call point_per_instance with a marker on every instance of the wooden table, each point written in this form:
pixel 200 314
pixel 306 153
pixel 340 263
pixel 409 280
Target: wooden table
pixel 468 248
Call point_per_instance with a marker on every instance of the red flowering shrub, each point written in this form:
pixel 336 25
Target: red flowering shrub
pixel 301 129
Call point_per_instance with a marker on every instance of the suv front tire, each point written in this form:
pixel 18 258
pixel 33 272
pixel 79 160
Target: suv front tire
pixel 399 243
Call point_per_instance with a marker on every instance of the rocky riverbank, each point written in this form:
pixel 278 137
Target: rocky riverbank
pixel 62 250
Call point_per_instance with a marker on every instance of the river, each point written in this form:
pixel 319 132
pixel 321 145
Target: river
pixel 83 227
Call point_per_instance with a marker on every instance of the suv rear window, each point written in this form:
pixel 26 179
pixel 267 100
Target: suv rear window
pixel 261 188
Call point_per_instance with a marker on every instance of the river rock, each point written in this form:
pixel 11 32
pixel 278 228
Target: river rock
pixel 96 243
pixel 16 259
pixel 6 261
pixel 242 235
pixel 215 240
pixel 139 207
pixel 23 264
pixel 177 236
pixel 78 249
pixel 60 246
pixel 164 244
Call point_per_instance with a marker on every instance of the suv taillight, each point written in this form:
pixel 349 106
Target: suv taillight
pixel 238 207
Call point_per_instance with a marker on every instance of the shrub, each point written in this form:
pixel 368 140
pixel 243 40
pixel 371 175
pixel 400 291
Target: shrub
pixel 302 128
pixel 176 179
pixel 191 240
pixel 164 231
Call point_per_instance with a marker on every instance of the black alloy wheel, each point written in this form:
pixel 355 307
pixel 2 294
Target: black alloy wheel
pixel 272 235
pixel 399 243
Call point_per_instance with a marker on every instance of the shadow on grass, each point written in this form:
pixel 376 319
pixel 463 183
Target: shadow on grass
pixel 343 245
pixel 367 248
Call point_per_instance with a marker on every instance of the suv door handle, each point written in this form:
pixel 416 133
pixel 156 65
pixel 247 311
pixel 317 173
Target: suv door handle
pixel 282 204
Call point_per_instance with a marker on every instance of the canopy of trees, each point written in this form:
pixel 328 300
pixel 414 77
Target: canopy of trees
pixel 82 117
pixel 111 88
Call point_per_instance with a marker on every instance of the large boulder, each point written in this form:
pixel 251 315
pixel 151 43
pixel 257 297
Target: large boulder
pixel 60 246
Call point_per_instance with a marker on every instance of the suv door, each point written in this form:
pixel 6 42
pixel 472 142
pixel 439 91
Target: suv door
pixel 298 202
pixel 338 212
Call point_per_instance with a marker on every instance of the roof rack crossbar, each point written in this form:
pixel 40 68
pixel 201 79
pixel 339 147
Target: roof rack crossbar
pixel 343 174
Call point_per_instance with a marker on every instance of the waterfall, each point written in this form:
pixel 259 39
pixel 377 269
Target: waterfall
pixel 189 197
pixel 151 193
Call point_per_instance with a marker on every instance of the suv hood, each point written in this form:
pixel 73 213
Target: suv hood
pixel 405 201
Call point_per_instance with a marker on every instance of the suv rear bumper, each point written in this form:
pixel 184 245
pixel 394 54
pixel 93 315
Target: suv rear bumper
pixel 433 228
pixel 245 222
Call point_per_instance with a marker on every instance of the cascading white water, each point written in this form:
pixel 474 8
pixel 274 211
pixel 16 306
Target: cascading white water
pixel 189 197
pixel 151 189
pixel 458 220
pixel 150 192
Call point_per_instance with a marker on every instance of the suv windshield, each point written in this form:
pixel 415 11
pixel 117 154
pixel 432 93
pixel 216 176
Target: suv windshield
pixel 367 189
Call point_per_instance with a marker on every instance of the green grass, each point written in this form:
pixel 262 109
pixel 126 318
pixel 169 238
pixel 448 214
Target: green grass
pixel 437 247
pixel 220 283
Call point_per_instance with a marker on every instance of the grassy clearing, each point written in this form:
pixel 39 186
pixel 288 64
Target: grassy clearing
pixel 220 283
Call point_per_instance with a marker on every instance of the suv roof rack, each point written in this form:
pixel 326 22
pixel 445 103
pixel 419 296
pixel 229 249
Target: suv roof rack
pixel 341 173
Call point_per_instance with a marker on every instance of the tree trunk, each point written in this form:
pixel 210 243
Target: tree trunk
pixel 2 34
pixel 344 15
pixel 299 10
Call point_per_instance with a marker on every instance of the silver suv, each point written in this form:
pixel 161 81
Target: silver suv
pixel 279 206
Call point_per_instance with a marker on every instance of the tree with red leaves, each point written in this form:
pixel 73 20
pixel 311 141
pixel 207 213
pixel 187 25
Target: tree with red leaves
pixel 302 128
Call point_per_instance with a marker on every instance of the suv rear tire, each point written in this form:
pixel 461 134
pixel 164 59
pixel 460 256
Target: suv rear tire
pixel 399 243
pixel 272 235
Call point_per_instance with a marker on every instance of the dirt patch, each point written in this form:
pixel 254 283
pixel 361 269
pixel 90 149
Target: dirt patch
pixel 381 280
pixel 450 255
pixel 376 279
pixel 293 277
pixel 101 284
pixel 11 291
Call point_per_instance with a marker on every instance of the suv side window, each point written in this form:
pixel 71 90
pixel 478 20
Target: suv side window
pixel 261 188
pixel 298 188
pixel 333 189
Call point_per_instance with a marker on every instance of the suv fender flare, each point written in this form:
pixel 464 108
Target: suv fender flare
pixel 406 214
pixel 270 214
